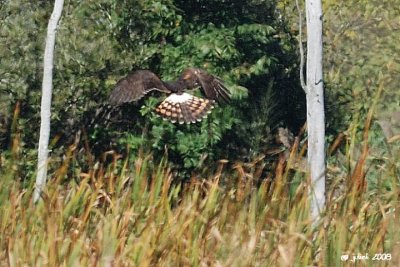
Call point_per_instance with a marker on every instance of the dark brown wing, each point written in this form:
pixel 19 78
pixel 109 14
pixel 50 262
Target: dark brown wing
pixel 135 86
pixel 212 87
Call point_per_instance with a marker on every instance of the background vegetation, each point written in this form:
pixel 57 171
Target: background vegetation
pixel 115 195
pixel 251 51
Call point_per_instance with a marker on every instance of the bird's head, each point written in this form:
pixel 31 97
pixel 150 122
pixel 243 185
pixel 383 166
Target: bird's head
pixel 189 78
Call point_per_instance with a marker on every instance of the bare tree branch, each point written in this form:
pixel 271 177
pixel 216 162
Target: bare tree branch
pixel 300 40
pixel 315 107
pixel 47 87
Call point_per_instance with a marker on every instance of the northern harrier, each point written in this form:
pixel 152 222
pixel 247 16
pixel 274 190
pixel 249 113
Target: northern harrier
pixel 179 106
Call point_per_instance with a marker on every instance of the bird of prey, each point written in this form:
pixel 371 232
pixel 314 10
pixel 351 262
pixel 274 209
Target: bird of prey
pixel 179 106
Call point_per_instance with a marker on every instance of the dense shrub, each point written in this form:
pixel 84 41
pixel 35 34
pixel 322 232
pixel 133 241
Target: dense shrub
pixel 99 42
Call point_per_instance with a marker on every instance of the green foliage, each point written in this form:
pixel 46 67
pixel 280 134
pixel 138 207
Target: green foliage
pixel 98 42
pixel 360 40
pixel 21 48
pixel 361 76
pixel 360 46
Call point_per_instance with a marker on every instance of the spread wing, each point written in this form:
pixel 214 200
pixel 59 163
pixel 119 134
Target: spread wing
pixel 135 86
pixel 212 86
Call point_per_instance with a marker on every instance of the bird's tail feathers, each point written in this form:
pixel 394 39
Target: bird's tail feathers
pixel 184 108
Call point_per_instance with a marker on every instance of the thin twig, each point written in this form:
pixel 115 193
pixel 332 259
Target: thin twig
pixel 303 84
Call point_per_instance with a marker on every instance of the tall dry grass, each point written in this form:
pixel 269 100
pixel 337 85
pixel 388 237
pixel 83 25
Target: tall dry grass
pixel 131 213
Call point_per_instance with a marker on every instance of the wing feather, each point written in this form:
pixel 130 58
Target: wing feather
pixel 135 86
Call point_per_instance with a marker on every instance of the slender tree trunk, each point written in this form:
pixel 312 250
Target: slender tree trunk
pixel 47 87
pixel 315 106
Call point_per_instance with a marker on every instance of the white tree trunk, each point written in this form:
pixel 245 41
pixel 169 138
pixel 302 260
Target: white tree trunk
pixel 47 87
pixel 315 107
